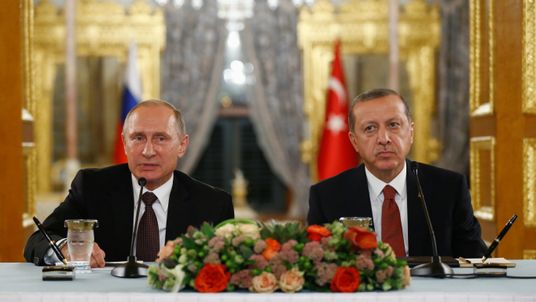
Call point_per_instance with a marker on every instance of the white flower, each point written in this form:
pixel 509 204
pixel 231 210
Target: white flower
pixel 249 230
pixel 226 230
pixel 179 275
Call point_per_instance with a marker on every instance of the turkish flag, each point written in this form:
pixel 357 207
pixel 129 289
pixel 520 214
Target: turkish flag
pixel 335 152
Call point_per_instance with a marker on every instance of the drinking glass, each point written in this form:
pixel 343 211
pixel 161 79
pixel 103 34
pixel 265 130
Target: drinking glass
pixel 364 222
pixel 80 240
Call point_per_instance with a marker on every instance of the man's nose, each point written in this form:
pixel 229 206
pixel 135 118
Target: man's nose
pixel 148 150
pixel 383 136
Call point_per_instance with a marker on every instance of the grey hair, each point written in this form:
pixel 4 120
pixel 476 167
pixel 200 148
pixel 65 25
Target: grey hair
pixel 371 95
pixel 179 121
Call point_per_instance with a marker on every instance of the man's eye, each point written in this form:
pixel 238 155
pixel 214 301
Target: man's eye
pixel 394 125
pixel 161 139
pixel 370 128
pixel 138 138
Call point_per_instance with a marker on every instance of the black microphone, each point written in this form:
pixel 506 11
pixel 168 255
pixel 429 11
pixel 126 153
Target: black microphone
pixel 436 268
pixel 131 268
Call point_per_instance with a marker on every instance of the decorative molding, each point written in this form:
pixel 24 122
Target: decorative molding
pixel 362 26
pixel 483 177
pixel 529 51
pixel 529 182
pixel 28 145
pixel 529 254
pixel 478 104
pixel 103 28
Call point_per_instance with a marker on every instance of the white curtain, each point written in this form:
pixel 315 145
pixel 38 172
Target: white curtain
pixel 192 65
pixel 276 98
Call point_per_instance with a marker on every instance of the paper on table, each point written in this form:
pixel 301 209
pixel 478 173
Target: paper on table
pixel 497 262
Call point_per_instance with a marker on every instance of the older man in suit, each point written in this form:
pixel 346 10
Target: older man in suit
pixel 154 138
pixel 385 188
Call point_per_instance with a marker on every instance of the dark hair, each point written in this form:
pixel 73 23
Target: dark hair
pixel 181 127
pixel 373 94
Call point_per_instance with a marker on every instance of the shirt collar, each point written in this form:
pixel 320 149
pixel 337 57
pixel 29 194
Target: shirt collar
pixel 376 185
pixel 162 193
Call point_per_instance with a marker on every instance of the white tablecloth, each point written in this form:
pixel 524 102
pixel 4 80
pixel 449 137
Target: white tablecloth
pixel 21 282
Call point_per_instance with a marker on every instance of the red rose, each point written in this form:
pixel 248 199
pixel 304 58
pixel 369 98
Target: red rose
pixel 346 280
pixel 212 278
pixel 316 232
pixel 361 238
pixel 272 248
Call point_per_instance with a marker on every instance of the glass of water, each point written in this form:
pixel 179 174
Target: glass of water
pixel 364 222
pixel 80 239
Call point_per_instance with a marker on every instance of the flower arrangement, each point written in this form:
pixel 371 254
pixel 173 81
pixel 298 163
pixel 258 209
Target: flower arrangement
pixel 263 258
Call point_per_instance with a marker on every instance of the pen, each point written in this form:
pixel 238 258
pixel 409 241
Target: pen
pixel 52 244
pixel 495 242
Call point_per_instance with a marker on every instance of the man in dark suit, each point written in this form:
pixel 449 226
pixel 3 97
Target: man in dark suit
pixel 154 138
pixel 382 132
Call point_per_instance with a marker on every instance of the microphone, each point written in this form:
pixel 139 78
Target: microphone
pixel 436 268
pixel 131 268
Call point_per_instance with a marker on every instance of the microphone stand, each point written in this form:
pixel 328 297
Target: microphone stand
pixel 436 268
pixel 133 269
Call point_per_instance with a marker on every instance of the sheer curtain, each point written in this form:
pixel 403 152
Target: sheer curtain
pixel 276 98
pixel 453 108
pixel 192 65
pixel 192 69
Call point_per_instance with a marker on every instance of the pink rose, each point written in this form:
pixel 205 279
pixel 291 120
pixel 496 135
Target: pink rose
pixel 167 250
pixel 291 281
pixel 264 283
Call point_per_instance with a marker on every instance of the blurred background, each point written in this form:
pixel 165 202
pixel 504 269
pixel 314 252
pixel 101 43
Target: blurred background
pixel 252 80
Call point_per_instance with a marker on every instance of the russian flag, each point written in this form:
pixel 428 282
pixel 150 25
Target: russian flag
pixel 131 96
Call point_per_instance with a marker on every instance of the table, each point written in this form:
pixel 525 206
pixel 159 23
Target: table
pixel 21 282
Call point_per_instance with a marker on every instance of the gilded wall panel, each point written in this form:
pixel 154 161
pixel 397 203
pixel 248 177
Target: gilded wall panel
pixel 529 182
pixel 481 56
pixel 529 51
pixel 529 254
pixel 482 157
pixel 103 28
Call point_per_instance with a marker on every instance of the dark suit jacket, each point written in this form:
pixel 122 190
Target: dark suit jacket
pixel 106 195
pixel 447 199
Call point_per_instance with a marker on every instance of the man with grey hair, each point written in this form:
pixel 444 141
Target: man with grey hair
pixel 155 138
pixel 384 187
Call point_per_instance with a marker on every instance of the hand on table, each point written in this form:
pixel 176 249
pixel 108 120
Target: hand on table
pixel 97 255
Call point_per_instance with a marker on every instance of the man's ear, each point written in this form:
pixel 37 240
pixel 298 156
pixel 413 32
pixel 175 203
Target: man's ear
pixel 353 140
pixel 183 146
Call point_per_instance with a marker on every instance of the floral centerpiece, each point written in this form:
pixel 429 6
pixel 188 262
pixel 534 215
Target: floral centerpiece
pixel 242 254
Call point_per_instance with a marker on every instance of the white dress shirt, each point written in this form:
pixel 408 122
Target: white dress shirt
pixel 160 206
pixel 375 187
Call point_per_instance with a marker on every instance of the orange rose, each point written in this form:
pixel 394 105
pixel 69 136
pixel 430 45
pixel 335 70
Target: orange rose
pixel 346 280
pixel 316 232
pixel 212 278
pixel 361 238
pixel 272 248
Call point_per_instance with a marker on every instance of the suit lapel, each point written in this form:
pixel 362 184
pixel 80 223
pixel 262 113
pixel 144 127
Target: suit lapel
pixel 359 204
pixel 417 234
pixel 178 209
pixel 122 206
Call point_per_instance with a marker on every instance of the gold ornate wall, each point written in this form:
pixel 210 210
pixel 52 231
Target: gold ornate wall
pixel 362 26
pixel 103 28
pixel 502 119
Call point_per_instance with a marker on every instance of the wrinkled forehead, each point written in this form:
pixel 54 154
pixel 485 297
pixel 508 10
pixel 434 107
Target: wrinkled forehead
pixel 384 108
pixel 151 119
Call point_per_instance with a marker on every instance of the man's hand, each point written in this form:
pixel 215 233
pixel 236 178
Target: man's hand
pixel 97 255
